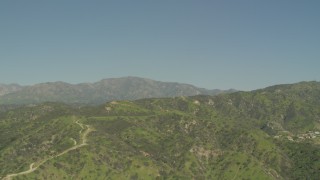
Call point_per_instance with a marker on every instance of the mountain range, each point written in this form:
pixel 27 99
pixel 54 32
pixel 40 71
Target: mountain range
pixel 127 88
pixel 270 133
pixel 9 88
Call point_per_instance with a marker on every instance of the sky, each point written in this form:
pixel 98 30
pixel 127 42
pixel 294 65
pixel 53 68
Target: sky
pixel 246 45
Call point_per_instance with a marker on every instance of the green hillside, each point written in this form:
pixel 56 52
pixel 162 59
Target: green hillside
pixel 272 133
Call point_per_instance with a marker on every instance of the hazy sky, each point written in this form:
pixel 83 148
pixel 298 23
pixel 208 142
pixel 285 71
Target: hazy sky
pixel 245 44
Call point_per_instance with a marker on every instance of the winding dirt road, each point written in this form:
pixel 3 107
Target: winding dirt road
pixel 34 166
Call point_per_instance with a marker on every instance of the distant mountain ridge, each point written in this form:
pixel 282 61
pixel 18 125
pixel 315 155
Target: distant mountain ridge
pixel 271 133
pixel 9 88
pixel 125 88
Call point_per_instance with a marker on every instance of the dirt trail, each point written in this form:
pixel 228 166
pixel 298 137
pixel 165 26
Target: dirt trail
pixel 74 141
pixel 236 175
pixel 34 166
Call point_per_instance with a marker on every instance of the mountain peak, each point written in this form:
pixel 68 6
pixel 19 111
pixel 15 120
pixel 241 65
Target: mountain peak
pixel 123 88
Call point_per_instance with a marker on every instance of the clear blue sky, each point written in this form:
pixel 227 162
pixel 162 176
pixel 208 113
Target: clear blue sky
pixel 245 44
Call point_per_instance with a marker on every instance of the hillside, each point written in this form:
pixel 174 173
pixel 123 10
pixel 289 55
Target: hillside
pixel 271 133
pixel 9 88
pixel 128 88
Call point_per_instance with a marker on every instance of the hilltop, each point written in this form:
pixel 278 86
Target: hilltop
pixel 271 133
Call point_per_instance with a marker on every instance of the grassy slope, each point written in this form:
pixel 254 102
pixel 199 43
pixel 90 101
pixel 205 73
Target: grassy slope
pixel 223 137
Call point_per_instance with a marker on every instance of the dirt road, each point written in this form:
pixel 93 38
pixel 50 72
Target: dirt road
pixel 33 167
